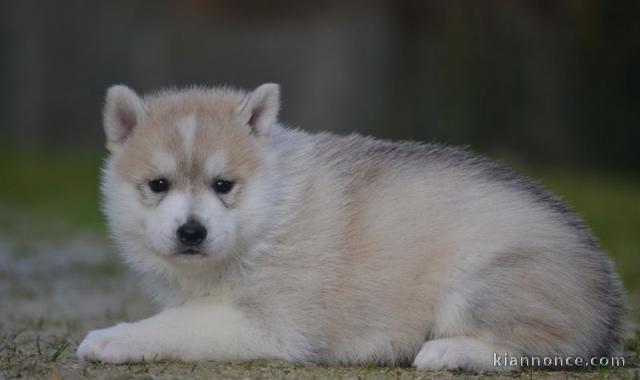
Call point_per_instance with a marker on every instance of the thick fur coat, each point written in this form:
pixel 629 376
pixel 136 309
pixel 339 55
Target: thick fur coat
pixel 335 249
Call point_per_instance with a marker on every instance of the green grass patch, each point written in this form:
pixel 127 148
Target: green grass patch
pixel 47 194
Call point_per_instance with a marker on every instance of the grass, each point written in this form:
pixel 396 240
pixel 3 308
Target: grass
pixel 19 357
pixel 49 194
pixel 53 198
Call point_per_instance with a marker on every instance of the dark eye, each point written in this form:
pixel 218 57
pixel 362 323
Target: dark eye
pixel 160 185
pixel 222 186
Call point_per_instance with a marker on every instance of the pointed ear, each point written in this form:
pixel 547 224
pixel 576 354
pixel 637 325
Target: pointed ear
pixel 259 110
pixel 123 112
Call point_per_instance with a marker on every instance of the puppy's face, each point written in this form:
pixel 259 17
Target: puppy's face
pixel 187 180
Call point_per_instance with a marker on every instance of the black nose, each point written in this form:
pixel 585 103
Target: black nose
pixel 192 233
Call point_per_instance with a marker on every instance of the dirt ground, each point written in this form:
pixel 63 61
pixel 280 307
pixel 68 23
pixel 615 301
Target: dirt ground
pixel 51 294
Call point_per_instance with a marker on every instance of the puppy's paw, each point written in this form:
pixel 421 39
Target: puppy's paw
pixel 462 353
pixel 115 344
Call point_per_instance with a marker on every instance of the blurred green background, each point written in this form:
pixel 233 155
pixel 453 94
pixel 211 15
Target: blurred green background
pixel 551 87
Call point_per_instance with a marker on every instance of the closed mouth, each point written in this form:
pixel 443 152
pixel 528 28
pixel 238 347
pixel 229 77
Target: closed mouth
pixel 191 252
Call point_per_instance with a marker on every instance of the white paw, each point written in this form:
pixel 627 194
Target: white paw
pixel 467 354
pixel 115 344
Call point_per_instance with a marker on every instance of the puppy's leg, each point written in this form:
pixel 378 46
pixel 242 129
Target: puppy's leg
pixel 218 332
pixel 468 354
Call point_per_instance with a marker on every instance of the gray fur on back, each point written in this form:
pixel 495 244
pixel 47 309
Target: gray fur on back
pixel 585 266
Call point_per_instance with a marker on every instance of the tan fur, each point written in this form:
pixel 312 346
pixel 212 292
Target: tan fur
pixel 340 249
pixel 160 133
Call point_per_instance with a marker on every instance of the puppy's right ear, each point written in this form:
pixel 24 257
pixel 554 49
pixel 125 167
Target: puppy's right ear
pixel 123 112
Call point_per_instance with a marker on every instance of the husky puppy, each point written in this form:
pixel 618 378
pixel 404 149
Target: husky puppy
pixel 260 241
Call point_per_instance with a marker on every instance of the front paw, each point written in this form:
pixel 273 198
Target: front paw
pixel 116 344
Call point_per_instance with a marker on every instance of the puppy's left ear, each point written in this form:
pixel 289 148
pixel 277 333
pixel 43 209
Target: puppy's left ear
pixel 260 108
